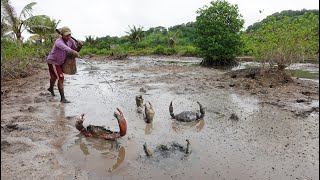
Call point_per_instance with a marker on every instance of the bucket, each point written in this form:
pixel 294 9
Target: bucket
pixel 69 66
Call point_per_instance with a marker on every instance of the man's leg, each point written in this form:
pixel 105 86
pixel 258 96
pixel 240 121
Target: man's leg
pixel 61 91
pixel 53 78
pixel 59 74
pixel 60 84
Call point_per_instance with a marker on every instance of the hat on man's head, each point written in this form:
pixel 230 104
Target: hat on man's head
pixel 65 30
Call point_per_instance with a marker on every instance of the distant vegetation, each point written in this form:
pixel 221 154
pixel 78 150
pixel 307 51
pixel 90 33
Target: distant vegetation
pixel 284 38
pixel 279 39
pixel 281 15
pixel 178 40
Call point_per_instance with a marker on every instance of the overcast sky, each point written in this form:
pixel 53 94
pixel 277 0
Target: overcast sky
pixel 100 18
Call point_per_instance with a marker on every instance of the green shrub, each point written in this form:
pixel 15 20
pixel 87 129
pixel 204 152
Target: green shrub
pixel 170 51
pixel 160 50
pixel 218 27
pixel 16 58
pixel 103 52
pixel 187 51
pixel 88 51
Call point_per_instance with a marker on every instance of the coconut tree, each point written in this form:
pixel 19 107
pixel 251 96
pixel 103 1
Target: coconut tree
pixel 42 27
pixel 90 40
pixel 172 38
pixel 4 27
pixel 14 22
pixel 135 35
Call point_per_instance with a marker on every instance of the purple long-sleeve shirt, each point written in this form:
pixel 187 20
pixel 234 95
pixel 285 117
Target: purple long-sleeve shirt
pixel 59 51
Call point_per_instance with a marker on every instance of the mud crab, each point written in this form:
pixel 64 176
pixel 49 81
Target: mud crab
pixel 187 116
pixel 102 132
pixel 166 151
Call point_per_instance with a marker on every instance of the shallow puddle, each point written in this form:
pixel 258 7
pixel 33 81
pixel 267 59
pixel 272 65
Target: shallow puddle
pixel 305 74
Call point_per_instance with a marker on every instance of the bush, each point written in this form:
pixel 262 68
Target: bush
pixel 218 28
pixel 16 58
pixel 160 50
pixel 187 51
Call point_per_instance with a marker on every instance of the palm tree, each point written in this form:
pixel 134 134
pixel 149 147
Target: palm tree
pixel 14 22
pixel 42 27
pixel 4 27
pixel 135 35
pixel 172 39
pixel 90 40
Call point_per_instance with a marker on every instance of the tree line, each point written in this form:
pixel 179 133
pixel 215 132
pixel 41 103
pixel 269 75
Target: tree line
pixel 217 36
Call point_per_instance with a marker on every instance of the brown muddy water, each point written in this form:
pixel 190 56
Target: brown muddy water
pixel 265 143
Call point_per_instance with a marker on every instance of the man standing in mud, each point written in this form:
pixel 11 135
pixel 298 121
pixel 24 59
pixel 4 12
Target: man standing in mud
pixel 62 47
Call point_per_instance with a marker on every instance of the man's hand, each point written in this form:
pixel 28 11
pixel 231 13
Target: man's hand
pixel 76 54
pixel 79 43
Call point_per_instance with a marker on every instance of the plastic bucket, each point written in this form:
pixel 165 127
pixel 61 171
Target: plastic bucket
pixel 69 66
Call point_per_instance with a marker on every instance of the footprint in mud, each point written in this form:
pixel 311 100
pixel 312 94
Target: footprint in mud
pixel 22 118
pixel 14 147
pixel 39 100
pixel 14 127
pixel 29 109
pixel 27 100
pixel 45 94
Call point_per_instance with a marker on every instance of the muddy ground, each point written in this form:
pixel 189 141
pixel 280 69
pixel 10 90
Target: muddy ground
pixel 255 127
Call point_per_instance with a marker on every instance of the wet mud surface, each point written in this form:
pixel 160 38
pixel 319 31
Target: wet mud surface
pixel 251 130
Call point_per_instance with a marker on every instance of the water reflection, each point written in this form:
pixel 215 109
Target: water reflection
pixel 60 124
pixel 148 128
pixel 84 148
pixel 120 158
pixel 304 74
pixel 100 151
pixel 177 125
pixel 200 125
pixel 59 114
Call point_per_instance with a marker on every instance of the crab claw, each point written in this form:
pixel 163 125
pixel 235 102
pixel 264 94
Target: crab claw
pixel 79 122
pixel 149 113
pixel 188 149
pixel 81 116
pixel 121 121
pixel 147 150
pixel 118 115
pixel 171 110
pixel 202 110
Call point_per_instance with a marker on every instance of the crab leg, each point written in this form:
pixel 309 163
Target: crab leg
pixel 81 128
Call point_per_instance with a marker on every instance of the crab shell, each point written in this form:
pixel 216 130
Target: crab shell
pixel 187 116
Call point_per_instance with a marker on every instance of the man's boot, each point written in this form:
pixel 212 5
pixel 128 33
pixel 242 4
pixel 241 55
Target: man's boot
pixel 63 99
pixel 50 89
